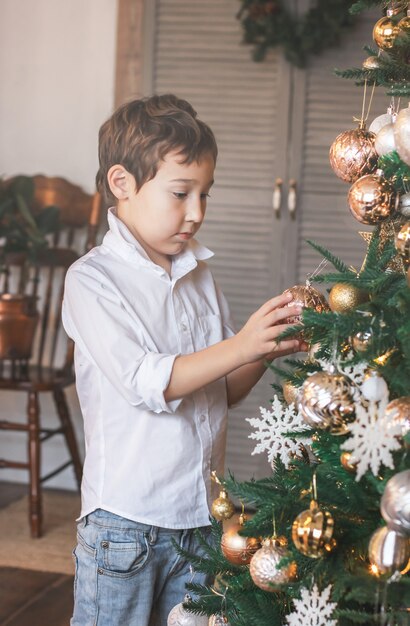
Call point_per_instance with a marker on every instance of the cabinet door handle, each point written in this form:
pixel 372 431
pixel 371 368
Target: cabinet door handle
pixel 292 198
pixel 277 197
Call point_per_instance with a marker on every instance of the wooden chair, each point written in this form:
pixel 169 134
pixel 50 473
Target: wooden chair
pixel 80 217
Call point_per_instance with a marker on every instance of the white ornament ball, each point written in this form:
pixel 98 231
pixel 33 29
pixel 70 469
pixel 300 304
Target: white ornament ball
pixel 385 142
pixel 402 135
pixel 395 503
pixel 374 387
pixel 180 617
pixel 379 122
pixel 405 205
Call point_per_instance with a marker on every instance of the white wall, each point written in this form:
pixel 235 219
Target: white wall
pixel 57 81
pixel 57 61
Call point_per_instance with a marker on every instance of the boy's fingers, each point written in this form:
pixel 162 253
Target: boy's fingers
pixel 284 313
pixel 274 303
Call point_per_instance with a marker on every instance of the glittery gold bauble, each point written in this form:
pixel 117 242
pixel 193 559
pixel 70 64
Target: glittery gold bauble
pixel 400 411
pixel 402 242
pixel 362 340
pixel 222 507
pixel 307 297
pixel 344 298
pixel 352 154
pixel 385 32
pixel 218 620
pixel 345 461
pixel 312 531
pixel 290 391
pixel 372 199
pixel 264 566
pixel 389 551
pixel 395 503
pixel 326 402
pixel 237 548
pixel 371 63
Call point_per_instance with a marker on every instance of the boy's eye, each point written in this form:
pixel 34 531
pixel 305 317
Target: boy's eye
pixel 205 195
pixel 179 195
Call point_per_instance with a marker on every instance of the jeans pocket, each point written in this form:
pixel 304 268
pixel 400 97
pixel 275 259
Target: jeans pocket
pixel 75 559
pixel 123 558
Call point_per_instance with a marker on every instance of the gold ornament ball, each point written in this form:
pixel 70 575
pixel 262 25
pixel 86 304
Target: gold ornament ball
pixel 402 242
pixel 385 32
pixel 400 411
pixel 344 298
pixel 372 199
pixel 371 63
pixel 345 461
pixel 352 154
pixel 404 24
pixel 307 297
pixel 237 548
pixel 389 551
pixel 312 531
pixel 264 566
pixel 362 340
pixel 326 402
pixel 222 507
pixel 290 392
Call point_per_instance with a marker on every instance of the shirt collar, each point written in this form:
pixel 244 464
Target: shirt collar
pixel 121 240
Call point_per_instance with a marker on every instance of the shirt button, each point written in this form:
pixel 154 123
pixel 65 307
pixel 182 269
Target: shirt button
pixel 202 418
pixel 183 327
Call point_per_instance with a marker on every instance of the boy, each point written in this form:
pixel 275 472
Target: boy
pixel 157 364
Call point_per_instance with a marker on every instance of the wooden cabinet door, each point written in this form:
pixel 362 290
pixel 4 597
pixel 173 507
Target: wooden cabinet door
pixel 196 53
pixel 328 108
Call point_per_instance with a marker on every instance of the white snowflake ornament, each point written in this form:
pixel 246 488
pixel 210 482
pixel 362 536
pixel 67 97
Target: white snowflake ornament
pixel 313 609
pixel 271 430
pixel 375 433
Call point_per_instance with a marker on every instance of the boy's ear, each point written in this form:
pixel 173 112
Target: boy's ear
pixel 121 182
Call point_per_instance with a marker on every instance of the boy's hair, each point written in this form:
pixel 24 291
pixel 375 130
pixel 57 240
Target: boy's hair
pixel 141 133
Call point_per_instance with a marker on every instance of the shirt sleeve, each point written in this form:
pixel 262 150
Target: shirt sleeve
pixel 95 318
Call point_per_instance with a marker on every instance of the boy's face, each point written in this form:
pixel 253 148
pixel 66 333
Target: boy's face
pixel 167 211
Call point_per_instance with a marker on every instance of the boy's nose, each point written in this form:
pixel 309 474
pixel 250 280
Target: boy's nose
pixel 195 211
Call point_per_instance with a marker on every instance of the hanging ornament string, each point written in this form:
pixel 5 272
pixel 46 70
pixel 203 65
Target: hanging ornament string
pixel 363 118
pixel 315 272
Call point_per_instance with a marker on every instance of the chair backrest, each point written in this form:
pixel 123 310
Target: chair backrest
pixel 80 216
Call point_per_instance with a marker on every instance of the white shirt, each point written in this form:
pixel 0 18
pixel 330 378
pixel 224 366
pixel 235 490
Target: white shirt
pixel 146 459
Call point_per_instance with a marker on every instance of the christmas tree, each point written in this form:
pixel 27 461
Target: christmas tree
pixel 328 541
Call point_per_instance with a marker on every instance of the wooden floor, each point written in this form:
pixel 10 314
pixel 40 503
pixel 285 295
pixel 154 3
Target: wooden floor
pixel 30 598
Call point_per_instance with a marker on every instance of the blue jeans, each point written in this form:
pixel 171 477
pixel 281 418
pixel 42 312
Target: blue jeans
pixel 127 573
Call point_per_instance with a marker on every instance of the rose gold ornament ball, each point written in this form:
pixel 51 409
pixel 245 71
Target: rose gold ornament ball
pixel 307 297
pixel 237 548
pixel 352 154
pixel 264 566
pixel 372 199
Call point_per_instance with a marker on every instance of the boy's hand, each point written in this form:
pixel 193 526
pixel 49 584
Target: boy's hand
pixel 258 338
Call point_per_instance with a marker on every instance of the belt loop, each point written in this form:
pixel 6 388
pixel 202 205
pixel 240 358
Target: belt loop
pixel 153 534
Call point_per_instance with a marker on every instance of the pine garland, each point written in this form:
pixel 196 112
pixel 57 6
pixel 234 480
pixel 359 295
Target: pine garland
pixel 270 23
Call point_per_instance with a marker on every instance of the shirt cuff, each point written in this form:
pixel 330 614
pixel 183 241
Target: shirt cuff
pixel 154 375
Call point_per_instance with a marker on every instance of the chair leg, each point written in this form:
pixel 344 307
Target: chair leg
pixel 65 419
pixel 35 504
